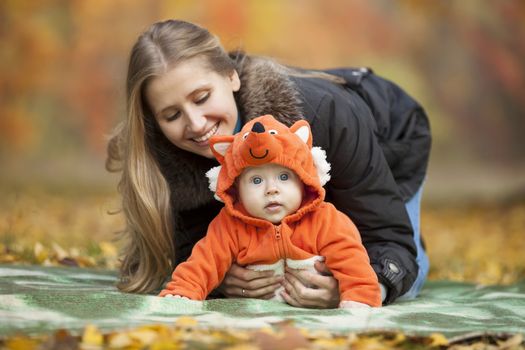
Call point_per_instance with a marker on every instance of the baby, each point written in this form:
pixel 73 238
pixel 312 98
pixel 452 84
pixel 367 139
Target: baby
pixel 270 180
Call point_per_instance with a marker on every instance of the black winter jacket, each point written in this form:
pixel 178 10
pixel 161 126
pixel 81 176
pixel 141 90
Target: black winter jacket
pixel 377 140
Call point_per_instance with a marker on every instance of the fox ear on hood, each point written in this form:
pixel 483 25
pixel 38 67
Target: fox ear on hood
pixel 219 145
pixel 302 129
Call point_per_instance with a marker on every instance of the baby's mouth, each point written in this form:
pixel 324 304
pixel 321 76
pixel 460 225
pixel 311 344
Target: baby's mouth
pixel 273 206
pixel 206 137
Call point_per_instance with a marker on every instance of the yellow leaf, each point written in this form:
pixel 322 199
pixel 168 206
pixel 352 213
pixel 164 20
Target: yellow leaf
pixel 19 343
pixel 7 258
pixel 144 336
pixel 267 330
pixel 74 252
pixel 119 340
pixel 369 343
pixel 59 251
pixel 185 321
pixel 161 329
pixel 108 249
pixel 438 339
pixel 92 336
pixel 40 252
pixel 243 347
pixel 165 344
pixel 396 340
pixel 511 343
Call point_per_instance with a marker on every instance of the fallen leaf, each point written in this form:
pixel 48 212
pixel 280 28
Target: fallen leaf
pixel 59 251
pixel 511 343
pixel 185 322
pixel 396 340
pixel 92 338
pixel 370 343
pixel 119 340
pixel 21 343
pixel 288 337
pixel 41 253
pixel 144 336
pixel 60 340
pixel 437 339
pixel 108 249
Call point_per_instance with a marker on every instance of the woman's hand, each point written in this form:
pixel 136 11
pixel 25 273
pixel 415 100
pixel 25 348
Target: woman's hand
pixel 240 282
pixel 311 290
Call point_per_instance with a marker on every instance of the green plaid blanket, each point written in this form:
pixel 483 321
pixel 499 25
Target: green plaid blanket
pixel 36 299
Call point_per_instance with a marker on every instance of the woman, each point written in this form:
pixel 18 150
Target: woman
pixel 183 88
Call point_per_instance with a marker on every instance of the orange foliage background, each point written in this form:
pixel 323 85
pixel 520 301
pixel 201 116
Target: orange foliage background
pixel 63 64
pixel 62 79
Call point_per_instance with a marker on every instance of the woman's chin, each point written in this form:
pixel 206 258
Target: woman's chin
pixel 207 153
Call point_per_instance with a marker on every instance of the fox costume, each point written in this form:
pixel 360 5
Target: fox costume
pixel 316 231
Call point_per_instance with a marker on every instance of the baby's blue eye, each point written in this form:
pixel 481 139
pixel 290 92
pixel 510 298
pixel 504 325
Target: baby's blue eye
pixel 256 180
pixel 283 177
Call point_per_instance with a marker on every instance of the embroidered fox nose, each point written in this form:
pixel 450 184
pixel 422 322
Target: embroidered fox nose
pixel 259 146
pixel 258 128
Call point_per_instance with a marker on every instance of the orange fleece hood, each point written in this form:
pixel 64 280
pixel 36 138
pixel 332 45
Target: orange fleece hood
pixel 264 140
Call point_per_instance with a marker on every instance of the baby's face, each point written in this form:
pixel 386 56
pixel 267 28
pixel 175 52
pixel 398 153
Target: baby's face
pixel 270 191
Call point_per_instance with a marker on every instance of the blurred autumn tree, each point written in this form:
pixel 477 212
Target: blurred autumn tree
pixel 61 69
pixel 63 64
pixel 473 55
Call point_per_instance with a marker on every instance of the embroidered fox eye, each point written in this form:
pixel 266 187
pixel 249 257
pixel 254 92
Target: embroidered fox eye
pixel 245 135
pixel 272 132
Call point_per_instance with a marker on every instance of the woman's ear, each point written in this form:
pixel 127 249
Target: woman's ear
pixel 235 80
pixel 219 145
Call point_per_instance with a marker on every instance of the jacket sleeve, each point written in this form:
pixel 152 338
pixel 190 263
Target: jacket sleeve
pixel 339 242
pixel 211 257
pixel 362 186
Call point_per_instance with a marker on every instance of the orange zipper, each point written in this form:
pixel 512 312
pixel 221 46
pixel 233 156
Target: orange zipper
pixel 278 237
pixel 277 232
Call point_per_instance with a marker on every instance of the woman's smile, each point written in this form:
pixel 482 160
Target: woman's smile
pixel 203 140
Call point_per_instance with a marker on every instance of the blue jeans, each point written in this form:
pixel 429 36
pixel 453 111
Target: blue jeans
pixel 413 207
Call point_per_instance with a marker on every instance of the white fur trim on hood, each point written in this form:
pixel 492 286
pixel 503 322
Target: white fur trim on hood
pixel 322 165
pixel 213 177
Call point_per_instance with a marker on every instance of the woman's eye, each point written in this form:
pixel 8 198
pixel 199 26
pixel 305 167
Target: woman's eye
pixel 203 98
pixel 283 177
pixel 256 180
pixel 173 117
pixel 272 132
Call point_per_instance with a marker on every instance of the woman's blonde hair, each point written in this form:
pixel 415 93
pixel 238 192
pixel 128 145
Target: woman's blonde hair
pixel 149 254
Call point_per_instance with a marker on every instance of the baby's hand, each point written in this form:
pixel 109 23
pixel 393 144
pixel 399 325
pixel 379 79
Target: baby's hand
pixel 176 296
pixel 349 304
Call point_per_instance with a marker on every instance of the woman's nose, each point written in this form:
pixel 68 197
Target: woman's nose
pixel 196 121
